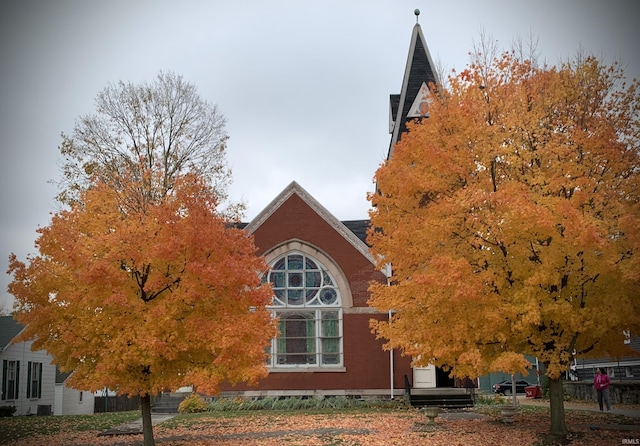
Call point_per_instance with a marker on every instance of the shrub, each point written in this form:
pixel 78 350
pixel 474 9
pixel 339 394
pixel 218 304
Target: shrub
pixel 192 404
pixel 7 411
pixel 489 400
pixel 298 403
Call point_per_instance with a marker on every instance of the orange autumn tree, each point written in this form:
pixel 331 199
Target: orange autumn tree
pixel 143 271
pixel 511 218
pixel 140 295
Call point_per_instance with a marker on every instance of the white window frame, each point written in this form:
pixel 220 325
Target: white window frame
pixel 317 356
pixel 317 359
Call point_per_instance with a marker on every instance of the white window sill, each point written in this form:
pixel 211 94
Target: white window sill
pixel 307 369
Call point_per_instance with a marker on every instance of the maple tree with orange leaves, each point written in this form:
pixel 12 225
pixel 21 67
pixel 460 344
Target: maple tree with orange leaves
pixel 142 283
pixel 511 218
pixel 144 299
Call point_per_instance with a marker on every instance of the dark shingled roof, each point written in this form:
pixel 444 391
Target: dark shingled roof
pixel 419 70
pixel 61 377
pixel 358 227
pixel 9 329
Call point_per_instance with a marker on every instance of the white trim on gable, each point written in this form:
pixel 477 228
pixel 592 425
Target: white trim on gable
pixel 295 188
pixel 420 106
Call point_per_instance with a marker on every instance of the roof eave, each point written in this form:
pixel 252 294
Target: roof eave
pixel 295 188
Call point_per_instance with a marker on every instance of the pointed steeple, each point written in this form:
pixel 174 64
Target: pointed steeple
pixel 412 102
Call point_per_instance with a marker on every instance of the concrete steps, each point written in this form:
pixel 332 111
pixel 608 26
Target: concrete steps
pixel 167 403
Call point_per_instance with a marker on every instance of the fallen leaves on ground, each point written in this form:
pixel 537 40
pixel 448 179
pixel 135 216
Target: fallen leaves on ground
pixel 13 428
pixel 404 428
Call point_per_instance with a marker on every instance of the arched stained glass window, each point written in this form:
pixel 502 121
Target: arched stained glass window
pixel 307 304
pixel 299 281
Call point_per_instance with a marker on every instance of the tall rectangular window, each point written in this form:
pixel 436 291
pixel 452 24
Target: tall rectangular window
pixel 296 344
pixel 310 338
pixel 330 337
pixel 10 379
pixel 34 380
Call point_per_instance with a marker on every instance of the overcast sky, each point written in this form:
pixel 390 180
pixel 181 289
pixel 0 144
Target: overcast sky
pixel 304 84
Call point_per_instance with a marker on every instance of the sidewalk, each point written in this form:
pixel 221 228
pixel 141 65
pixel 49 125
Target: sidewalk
pixel 624 410
pixel 135 427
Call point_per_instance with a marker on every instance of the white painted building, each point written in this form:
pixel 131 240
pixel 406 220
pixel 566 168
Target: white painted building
pixel 28 378
pixel 30 382
pixel 70 401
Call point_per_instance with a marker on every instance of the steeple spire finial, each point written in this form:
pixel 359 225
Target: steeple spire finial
pixel 413 101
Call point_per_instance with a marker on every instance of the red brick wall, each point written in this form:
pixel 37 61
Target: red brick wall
pixel 366 364
pixel 295 219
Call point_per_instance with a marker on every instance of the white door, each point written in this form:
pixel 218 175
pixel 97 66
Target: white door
pixel 424 377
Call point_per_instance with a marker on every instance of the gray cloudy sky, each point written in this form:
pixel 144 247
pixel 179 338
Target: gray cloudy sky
pixel 304 84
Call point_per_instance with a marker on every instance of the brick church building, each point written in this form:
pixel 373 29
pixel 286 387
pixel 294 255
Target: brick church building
pixel 320 269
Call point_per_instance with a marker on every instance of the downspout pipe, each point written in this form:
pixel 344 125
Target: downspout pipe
pixel 387 273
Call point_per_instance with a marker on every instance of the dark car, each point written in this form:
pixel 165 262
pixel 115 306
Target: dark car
pixel 505 386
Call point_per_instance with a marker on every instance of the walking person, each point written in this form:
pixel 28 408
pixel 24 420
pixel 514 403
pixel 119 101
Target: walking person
pixel 601 383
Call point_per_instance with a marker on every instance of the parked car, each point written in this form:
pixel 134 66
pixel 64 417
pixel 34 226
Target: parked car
pixel 505 386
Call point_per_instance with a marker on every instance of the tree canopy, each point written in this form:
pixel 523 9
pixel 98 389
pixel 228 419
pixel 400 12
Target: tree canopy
pixel 140 301
pixel 144 299
pixel 153 132
pixel 142 283
pixel 511 219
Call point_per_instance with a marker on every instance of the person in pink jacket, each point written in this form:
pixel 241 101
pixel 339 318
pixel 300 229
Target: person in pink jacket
pixel 601 383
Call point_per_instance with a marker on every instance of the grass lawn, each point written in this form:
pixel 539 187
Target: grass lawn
pixel 15 428
pixel 367 426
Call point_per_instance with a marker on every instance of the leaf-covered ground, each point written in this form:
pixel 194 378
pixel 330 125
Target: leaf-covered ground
pixel 400 427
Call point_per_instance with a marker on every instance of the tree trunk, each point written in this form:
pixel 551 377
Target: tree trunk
pixel 556 403
pixel 147 427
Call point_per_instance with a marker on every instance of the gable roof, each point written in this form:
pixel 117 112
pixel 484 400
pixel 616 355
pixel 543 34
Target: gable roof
pixel 61 377
pixel 359 228
pixel 418 74
pixel 9 329
pixel 354 237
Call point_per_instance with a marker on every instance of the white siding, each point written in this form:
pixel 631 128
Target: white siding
pixel 22 352
pixel 57 406
pixel 68 401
